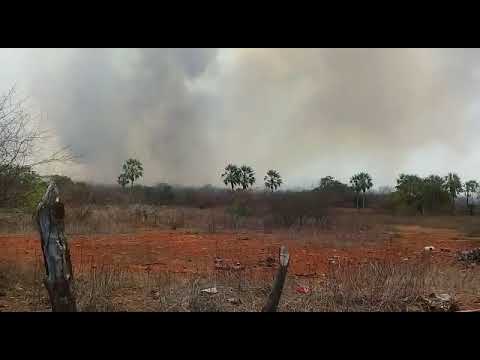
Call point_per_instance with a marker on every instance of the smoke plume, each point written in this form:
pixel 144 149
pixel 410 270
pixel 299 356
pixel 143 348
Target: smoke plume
pixel 186 113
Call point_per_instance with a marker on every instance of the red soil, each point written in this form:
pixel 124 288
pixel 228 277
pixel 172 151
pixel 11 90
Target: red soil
pixel 182 252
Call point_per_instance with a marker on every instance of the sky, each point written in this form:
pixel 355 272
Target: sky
pixel 308 113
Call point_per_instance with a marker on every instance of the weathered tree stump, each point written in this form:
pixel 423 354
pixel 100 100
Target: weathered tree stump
pixel 56 255
pixel 274 298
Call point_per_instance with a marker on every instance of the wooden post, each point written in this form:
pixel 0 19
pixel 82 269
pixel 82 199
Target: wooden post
pixel 56 255
pixel 274 298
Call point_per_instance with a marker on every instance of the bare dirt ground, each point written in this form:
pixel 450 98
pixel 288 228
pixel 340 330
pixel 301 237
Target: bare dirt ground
pixel 183 252
pixel 253 253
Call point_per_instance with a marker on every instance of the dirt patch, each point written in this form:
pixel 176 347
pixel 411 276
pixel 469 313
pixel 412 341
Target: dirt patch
pixel 183 252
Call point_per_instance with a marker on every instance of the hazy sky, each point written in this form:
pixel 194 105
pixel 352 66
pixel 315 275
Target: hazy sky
pixel 186 113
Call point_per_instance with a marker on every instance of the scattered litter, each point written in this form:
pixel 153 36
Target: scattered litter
pixel 303 289
pixel 238 266
pixel 438 303
pixel 428 248
pixel 210 290
pixel 234 301
pixel 470 256
pixel 333 260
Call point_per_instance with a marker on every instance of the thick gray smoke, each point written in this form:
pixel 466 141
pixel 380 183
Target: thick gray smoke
pixel 113 104
pixel 186 113
pixel 320 111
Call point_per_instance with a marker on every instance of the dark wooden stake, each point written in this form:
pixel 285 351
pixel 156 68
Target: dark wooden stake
pixel 274 297
pixel 56 255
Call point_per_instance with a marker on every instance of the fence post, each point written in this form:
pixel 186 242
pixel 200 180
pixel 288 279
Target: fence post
pixel 274 297
pixel 56 255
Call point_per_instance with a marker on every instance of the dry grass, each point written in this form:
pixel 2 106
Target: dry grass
pixel 117 219
pixel 375 286
pixel 337 227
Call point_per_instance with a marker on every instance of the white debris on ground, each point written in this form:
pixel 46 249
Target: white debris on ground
pixel 234 301
pixel 212 290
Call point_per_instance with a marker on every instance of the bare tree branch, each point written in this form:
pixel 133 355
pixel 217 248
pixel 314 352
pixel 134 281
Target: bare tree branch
pixel 21 142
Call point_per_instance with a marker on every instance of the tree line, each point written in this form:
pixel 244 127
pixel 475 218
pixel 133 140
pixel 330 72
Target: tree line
pixel 22 186
pixel 433 192
pixel 428 193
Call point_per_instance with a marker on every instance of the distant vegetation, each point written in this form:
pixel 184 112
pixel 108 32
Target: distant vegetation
pixel 234 176
pixel 360 184
pixel 20 145
pixel 21 186
pixel 132 170
pixel 272 180
pixel 433 194
pixel 231 176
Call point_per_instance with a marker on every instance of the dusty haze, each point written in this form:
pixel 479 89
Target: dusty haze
pixel 186 113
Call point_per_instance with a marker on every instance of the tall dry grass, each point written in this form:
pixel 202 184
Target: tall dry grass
pixel 379 286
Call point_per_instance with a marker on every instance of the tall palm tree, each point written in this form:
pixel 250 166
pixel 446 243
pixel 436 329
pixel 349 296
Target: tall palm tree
pixel 471 187
pixel 355 183
pixel 247 176
pixel 454 187
pixel 272 180
pixel 231 176
pixel 361 183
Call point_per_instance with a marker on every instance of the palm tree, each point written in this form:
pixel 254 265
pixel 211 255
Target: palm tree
pixel 247 176
pixel 231 176
pixel 471 187
pixel 272 180
pixel 355 183
pixel 361 183
pixel 454 187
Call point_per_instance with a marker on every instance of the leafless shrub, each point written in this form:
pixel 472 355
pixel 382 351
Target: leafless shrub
pixel 22 145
